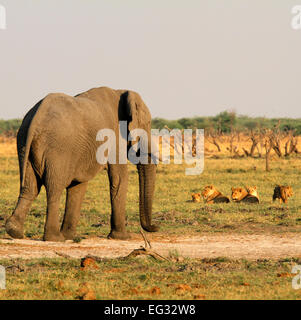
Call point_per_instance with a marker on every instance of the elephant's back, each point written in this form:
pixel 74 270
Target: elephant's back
pixel 63 115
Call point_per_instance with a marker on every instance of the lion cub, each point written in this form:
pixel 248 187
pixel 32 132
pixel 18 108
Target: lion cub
pixel 282 193
pixel 249 195
pixel 212 195
pixel 196 197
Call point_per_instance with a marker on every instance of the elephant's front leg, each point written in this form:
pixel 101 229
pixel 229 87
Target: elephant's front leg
pixel 118 176
pixel 74 199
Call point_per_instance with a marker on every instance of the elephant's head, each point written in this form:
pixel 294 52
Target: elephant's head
pixel 135 112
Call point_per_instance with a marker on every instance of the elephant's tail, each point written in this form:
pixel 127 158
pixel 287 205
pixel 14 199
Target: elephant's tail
pixel 30 135
pixel 29 139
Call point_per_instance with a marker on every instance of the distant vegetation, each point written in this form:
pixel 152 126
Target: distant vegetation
pixel 224 122
pixel 9 127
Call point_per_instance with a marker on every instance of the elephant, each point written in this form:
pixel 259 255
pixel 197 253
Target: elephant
pixel 57 148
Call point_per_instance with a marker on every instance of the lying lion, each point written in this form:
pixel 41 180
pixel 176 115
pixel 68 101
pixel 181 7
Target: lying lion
pixel 212 195
pixel 282 193
pixel 249 195
pixel 253 191
pixel 196 197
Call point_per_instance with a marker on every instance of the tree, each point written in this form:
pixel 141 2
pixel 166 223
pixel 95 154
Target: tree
pixel 225 121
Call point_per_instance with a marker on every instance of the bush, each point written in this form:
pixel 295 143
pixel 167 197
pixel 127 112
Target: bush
pixel 10 127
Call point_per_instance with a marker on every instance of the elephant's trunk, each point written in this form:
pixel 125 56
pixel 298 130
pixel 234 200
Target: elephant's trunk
pixel 147 177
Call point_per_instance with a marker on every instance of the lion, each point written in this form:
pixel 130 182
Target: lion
pixel 249 195
pixel 196 197
pixel 212 195
pixel 282 193
pixel 253 191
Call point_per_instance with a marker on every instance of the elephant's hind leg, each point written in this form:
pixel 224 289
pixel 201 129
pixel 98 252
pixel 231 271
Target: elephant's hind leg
pixel 74 199
pixel 52 225
pixel 15 224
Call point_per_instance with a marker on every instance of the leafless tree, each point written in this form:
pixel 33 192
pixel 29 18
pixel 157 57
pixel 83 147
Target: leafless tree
pixel 255 139
pixel 291 143
pixel 268 146
pixel 214 137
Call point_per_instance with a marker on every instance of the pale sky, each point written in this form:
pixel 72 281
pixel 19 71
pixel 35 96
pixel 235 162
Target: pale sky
pixel 185 58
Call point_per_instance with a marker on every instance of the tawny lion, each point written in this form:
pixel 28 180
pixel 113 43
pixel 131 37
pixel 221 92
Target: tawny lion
pixel 196 197
pixel 212 195
pixel 282 193
pixel 249 195
pixel 253 191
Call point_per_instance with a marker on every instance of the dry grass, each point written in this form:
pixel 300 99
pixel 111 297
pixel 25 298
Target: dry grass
pixel 8 147
pixel 177 214
pixel 173 208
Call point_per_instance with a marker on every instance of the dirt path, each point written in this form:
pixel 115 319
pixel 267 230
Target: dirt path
pixel 208 246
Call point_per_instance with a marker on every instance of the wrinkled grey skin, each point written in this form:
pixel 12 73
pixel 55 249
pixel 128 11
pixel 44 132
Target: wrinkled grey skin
pixel 57 148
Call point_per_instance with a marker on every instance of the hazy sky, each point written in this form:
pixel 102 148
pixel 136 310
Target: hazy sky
pixel 185 58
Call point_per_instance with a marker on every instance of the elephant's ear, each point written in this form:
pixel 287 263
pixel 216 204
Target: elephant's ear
pixel 137 113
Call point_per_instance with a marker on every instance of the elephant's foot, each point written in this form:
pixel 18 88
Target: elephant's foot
pixel 68 234
pixel 14 228
pixel 118 235
pixel 54 236
pixel 151 228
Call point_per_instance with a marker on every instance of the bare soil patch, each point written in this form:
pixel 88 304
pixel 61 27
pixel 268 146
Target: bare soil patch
pixel 235 246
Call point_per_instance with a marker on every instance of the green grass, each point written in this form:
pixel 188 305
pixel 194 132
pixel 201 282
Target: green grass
pixel 219 278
